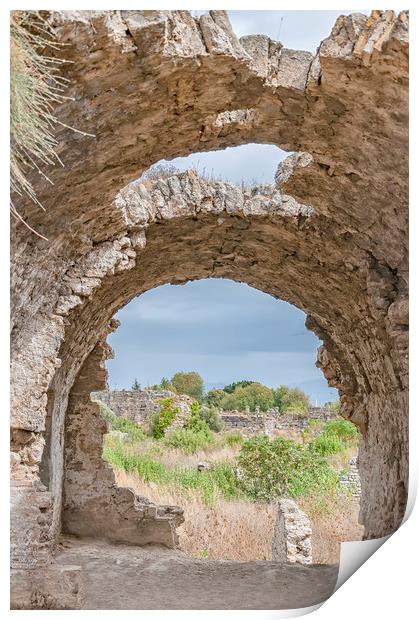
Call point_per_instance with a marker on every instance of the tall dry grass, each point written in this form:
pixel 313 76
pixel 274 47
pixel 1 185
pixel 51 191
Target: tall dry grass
pixel 331 525
pixel 171 457
pixel 243 531
pixel 229 530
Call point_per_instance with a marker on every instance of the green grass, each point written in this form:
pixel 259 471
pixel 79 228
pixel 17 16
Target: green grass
pixel 233 438
pixel 326 445
pixel 265 469
pixel 218 482
pixel 189 441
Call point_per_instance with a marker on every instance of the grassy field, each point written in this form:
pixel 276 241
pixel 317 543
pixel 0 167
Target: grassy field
pixel 230 507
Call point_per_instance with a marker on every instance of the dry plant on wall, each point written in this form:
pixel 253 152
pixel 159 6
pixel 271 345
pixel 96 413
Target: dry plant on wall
pixel 35 88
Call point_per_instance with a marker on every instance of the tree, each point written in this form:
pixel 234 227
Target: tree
pixel 232 386
pixel 211 416
pixel 189 383
pixel 214 397
pixel 291 399
pixel 251 396
pixel 136 385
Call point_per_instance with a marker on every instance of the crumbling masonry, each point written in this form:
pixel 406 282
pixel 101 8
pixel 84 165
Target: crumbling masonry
pixel 330 237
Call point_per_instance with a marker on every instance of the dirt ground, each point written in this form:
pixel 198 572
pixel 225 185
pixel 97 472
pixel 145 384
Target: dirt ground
pixel 128 577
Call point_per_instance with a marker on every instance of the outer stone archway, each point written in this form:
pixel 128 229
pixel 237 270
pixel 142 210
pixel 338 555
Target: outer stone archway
pixel 329 238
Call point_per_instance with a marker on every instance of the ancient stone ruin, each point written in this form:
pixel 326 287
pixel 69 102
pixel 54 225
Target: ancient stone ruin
pixel 350 481
pixel 330 237
pixel 139 405
pixel 292 534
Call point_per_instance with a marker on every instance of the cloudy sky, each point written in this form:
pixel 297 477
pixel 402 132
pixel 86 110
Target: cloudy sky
pixel 224 330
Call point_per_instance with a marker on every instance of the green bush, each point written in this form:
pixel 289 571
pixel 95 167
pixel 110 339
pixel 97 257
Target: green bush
pixel 160 420
pixel 249 397
pixel 212 417
pixel 134 432
pixel 345 430
pixel 213 398
pixel 188 441
pixel 147 468
pixel 270 469
pixel 336 436
pixel 326 445
pixel 196 423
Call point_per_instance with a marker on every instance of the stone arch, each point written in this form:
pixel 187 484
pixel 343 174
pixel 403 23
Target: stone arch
pixel 330 237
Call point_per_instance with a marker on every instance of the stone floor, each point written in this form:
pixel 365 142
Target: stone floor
pixel 129 577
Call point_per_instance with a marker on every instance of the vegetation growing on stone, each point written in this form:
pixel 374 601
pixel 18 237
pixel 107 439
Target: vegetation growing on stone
pixel 36 87
pixel 162 419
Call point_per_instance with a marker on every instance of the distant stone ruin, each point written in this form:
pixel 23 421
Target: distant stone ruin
pixel 139 405
pixel 271 421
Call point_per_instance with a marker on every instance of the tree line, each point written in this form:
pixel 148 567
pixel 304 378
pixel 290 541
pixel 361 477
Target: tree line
pixel 245 395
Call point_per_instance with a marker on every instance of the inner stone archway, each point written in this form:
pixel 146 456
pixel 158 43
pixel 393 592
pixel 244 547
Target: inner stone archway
pixel 329 238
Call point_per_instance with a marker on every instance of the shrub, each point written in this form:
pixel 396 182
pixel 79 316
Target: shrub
pixel 270 469
pixel 214 397
pixel 336 436
pixel 195 422
pixel 249 397
pixel 106 411
pixel 188 441
pixel 291 399
pixel 134 432
pixel 160 420
pixel 212 417
pixel 326 445
pixel 345 430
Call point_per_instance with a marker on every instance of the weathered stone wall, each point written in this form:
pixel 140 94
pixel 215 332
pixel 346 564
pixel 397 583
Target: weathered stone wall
pixel 351 481
pixel 331 237
pixel 292 534
pixel 272 420
pixel 139 405
pixel 93 504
